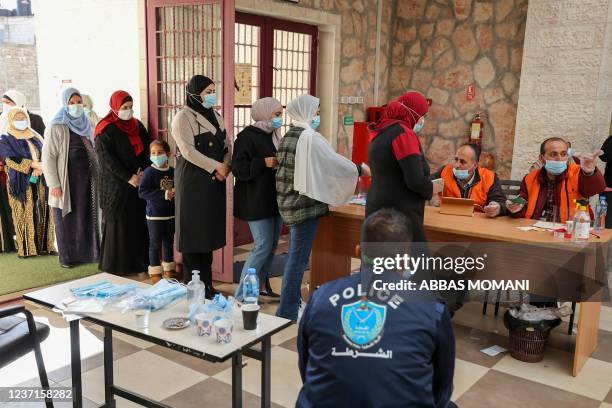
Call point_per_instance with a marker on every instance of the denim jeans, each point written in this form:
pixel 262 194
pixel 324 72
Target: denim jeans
pixel 265 236
pixel 302 238
pixel 161 235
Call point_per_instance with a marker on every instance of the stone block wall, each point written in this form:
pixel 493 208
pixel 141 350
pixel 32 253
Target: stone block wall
pixel 358 55
pixel 566 84
pixel 19 70
pixel 439 47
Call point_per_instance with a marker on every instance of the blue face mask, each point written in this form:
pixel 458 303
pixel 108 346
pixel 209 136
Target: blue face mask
pixel 461 174
pixel 555 167
pixel 75 110
pixel 275 123
pixel 160 160
pixel 570 152
pixel 210 100
pixel 316 121
pixel 419 125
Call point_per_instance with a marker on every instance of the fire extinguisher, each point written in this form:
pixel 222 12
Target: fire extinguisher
pixel 477 129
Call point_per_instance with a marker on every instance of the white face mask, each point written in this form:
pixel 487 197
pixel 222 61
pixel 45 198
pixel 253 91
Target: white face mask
pixel 20 124
pixel 125 114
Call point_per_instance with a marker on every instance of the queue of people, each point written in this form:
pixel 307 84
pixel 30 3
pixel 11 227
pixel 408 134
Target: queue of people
pixel 55 184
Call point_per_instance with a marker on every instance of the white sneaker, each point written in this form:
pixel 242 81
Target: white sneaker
pixel 301 310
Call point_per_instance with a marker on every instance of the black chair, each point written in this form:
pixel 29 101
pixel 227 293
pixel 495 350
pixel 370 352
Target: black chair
pixel 19 336
pixel 510 187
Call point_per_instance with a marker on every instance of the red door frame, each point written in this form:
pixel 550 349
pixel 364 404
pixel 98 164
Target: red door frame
pixel 223 263
pixel 267 25
pixel 266 36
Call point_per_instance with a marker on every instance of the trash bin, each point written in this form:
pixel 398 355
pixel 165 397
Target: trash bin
pixel 528 338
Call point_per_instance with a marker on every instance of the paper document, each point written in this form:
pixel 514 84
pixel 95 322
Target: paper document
pixel 493 350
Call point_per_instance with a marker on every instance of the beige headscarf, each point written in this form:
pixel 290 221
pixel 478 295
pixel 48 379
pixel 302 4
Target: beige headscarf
pixel 26 134
pixel 261 111
pixel 89 112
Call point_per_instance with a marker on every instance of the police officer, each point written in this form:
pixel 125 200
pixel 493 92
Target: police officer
pixel 360 347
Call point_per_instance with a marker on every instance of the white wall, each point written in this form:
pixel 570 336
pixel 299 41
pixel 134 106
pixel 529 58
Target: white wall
pixel 17 30
pixel 93 43
pixel 566 78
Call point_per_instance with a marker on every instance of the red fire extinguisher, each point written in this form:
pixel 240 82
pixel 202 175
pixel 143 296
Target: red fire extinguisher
pixel 477 129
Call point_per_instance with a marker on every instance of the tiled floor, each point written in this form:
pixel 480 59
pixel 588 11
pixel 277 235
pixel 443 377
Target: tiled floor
pixel 182 381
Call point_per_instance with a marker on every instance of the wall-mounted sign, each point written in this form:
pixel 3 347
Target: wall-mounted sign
pixel 349 120
pixel 244 84
pixel 471 92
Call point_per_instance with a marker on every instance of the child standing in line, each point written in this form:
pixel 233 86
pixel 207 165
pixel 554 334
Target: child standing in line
pixel 157 189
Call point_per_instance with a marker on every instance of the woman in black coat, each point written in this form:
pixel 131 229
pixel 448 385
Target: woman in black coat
pixel 202 166
pixel 254 166
pixel 122 144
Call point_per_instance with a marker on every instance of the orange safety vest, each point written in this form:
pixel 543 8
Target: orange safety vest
pixel 569 191
pixel 479 191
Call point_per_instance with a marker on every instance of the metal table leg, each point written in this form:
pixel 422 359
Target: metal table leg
pixel 109 399
pixel 237 380
pixel 266 354
pixel 75 364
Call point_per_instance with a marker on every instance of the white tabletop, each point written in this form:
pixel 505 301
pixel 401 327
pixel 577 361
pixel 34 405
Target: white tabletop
pixel 185 340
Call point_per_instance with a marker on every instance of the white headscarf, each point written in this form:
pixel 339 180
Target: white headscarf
pixel 320 172
pixel 20 102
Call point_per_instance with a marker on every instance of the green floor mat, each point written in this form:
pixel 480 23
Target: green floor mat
pixel 18 274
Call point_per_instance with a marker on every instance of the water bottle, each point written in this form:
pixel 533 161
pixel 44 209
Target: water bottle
pixel 250 287
pixel 195 289
pixel 600 215
pixel 582 223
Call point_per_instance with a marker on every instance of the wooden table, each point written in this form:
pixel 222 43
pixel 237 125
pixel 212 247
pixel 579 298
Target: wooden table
pixel 185 341
pixel 339 233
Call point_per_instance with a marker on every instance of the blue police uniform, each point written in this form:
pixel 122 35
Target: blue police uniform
pixel 374 353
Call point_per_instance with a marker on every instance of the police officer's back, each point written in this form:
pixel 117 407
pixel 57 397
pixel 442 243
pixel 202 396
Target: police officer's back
pixel 375 351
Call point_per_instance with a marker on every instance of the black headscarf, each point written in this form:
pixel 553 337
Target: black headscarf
pixel 194 88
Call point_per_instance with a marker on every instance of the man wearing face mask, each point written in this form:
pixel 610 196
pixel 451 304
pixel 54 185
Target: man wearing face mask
pixel 557 184
pixel 465 179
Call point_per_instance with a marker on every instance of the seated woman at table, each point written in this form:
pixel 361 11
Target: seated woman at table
pixel 400 173
pixel 466 179
pixel 557 184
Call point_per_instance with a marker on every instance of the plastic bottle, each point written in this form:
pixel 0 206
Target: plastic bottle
pixel 195 289
pixel 250 287
pixel 582 223
pixel 600 214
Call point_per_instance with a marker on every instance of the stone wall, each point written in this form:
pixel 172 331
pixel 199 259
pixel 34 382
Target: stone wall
pixel 358 56
pixel 566 86
pixel 18 70
pixel 442 46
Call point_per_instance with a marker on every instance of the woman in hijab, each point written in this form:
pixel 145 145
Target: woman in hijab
pixel 22 146
pixel 254 166
pixel 400 173
pixel 89 112
pixel 310 176
pixel 202 165
pixel 15 98
pixel 122 144
pixel 71 172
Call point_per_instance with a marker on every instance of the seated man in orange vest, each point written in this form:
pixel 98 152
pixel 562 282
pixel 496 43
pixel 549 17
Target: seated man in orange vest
pixel 557 183
pixel 465 179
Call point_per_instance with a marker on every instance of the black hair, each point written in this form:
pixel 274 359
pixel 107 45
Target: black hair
pixel 386 225
pixel 475 149
pixel 550 139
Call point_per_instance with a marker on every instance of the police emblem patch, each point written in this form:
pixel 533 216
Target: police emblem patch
pixel 363 323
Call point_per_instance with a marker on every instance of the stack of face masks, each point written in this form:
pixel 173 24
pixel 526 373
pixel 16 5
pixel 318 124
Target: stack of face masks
pixel 158 296
pixel 103 290
pixel 219 305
